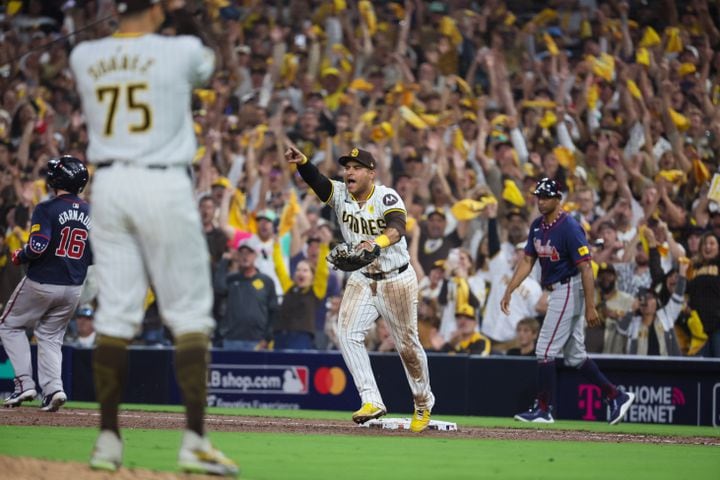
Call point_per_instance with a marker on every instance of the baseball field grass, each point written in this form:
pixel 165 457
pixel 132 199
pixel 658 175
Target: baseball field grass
pixel 592 450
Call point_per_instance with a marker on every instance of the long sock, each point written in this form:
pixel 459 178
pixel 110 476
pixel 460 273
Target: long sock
pixel 590 370
pixel 110 366
pixel 547 380
pixel 191 364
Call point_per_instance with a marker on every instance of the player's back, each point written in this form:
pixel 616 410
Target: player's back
pixel 136 91
pixel 66 259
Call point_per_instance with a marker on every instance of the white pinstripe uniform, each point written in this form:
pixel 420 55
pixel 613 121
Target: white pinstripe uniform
pixel 147 227
pixel 393 297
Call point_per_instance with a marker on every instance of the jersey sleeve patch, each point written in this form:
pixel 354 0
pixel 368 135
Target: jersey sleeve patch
pixel 584 250
pixel 38 243
pixel 35 228
pixel 389 199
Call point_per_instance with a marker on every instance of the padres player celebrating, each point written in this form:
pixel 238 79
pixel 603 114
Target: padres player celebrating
pixel 135 89
pixel 58 255
pixel 559 241
pixel 374 216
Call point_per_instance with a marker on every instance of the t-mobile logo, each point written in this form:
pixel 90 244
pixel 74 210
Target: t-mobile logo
pixel 590 399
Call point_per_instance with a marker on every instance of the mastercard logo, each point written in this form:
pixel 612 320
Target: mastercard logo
pixel 330 380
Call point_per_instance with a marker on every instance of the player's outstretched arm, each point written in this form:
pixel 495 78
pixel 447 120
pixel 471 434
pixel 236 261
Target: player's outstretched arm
pixel 320 184
pixel 524 267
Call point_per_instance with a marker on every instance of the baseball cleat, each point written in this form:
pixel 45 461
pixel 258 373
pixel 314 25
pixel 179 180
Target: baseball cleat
pixel 536 415
pixel 420 420
pixel 368 412
pixel 107 454
pixel 53 402
pixel 619 406
pixel 197 455
pixel 17 398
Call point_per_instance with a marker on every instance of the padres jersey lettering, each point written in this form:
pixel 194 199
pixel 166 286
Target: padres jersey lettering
pixel 124 92
pixel 359 223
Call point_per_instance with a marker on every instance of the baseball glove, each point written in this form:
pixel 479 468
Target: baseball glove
pixel 346 258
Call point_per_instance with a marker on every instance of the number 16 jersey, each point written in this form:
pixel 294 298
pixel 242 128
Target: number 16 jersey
pixel 59 247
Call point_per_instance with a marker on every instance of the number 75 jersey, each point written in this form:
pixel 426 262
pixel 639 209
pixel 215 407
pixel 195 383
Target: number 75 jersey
pixel 59 243
pixel 135 92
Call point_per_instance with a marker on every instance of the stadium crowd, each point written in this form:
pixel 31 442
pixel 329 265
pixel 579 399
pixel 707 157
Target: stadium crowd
pixel 464 105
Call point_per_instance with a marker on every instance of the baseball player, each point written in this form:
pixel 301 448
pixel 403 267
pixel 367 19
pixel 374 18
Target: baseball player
pixel 135 88
pixel 57 255
pixel 374 215
pixel 560 243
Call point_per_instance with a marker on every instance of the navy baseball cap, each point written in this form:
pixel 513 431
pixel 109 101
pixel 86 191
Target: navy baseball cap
pixel 363 157
pixel 547 188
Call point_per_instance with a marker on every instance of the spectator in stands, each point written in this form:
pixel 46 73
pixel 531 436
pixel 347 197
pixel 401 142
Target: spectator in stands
pixel 250 301
pixel 381 339
pixel 295 326
pixel 704 291
pixel 84 327
pixel 649 328
pixel 527 332
pixel 612 305
pixel 466 338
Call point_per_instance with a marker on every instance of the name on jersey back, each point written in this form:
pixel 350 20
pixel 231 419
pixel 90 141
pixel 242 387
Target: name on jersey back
pixel 129 63
pixel 76 215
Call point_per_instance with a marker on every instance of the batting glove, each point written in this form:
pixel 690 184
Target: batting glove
pixel 15 257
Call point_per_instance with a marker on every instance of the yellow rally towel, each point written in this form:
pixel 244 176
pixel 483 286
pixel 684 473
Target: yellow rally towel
pixel 603 66
pixel 634 89
pixel 565 157
pixel 463 85
pixel 511 193
pixel 672 176
pixel 699 337
pixel 650 38
pixel 686 69
pixel 361 84
pixel 368 116
pixel 549 119
pixel 585 29
pixel 206 96
pixel 680 120
pixel 339 5
pixel 367 12
pixel 468 208
pixel 458 142
pixel 381 132
pixel 538 104
pixel 412 118
pixel 700 171
pixel 674 43
pixel 544 16
pixel 642 56
pixel 450 30
pixel 510 19
pixel 289 213
pixel 592 96
pixel 550 44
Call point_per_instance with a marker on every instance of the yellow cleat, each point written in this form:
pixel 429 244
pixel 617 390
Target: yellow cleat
pixel 368 412
pixel 420 420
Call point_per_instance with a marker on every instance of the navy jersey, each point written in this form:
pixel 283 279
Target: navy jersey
pixel 58 250
pixel 560 246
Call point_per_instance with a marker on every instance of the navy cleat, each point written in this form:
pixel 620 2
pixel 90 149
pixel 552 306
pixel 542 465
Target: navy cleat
pixel 536 415
pixel 619 406
pixel 53 402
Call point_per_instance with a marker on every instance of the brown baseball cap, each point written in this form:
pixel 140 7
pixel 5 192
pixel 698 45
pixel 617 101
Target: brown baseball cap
pixel 363 157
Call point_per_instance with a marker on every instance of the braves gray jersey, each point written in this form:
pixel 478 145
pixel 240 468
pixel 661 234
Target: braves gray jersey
pixel 359 223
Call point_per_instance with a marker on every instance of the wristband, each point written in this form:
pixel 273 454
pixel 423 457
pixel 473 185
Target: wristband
pixel 303 159
pixel 382 241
